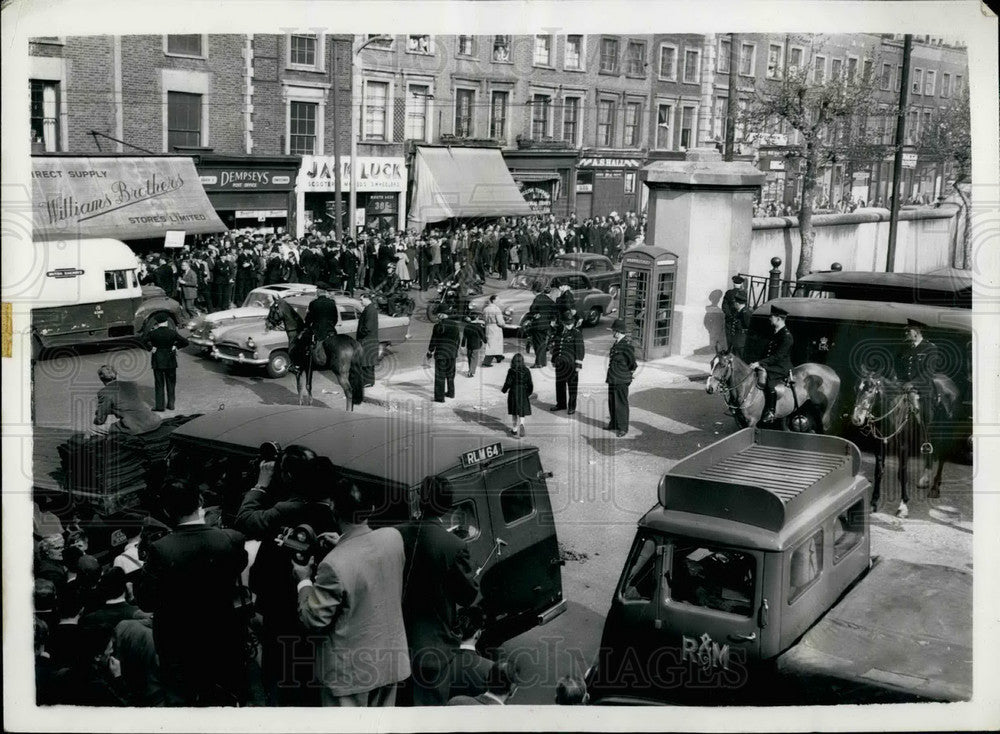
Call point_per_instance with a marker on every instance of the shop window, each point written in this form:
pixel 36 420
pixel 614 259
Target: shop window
pixel 45 116
pixel 639 582
pixel 849 530
pixel 183 120
pixel 714 578
pixel 574 52
pixel 725 49
pixel 417 97
pixel 635 59
pixel 376 102
pixel 571 120
pixel 806 565
pixel 185 45
pixel 462 521
pixel 498 114
pixel 419 44
pixel 633 113
pixel 464 105
pixel 501 49
pixel 543 51
pixel 541 116
pixel 748 54
pixel 692 64
pixel 605 122
pixel 516 502
pixel 302 128
pixel 775 57
pixel 664 126
pixel 466 45
pixel 609 55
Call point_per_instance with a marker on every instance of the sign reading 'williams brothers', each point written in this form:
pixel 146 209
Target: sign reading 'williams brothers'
pixel 121 197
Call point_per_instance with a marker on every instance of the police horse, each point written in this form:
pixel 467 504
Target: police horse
pixel 888 413
pixel 806 405
pixel 341 354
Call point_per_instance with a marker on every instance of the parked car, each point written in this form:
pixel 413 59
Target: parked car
pixel 255 307
pixel 515 300
pixel 253 344
pixel 603 273
pixel 946 287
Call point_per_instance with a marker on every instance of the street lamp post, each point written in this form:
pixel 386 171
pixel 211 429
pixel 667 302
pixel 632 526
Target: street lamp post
pixel 352 208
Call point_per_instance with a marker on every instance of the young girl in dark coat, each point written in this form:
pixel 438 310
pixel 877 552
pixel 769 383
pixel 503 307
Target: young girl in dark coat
pixel 518 387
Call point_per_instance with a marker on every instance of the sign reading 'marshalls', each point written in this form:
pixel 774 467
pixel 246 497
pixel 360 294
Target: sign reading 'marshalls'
pixel 121 197
pixel 318 173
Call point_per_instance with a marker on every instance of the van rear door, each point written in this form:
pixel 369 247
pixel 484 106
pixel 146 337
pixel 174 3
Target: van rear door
pixel 523 577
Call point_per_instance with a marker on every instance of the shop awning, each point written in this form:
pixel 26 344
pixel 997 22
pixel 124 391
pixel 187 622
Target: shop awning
pixel 122 197
pixel 535 175
pixel 462 182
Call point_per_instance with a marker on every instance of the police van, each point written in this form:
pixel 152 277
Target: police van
pixel 88 291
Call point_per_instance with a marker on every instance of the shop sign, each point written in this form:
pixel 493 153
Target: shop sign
pixel 246 179
pixel 609 163
pixel 587 188
pixel 776 165
pixel 379 203
pixel 374 173
pixel 260 213
pixel 909 160
pixel 174 238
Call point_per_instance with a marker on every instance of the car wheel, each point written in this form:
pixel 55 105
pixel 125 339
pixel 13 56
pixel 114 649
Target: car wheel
pixel 278 364
pixel 594 316
pixel 149 324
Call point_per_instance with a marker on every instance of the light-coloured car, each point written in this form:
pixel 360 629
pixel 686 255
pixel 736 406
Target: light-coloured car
pixel 254 344
pixel 255 307
pixel 515 300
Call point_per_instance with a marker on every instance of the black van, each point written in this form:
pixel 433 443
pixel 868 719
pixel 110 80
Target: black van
pixel 501 505
pixel 948 287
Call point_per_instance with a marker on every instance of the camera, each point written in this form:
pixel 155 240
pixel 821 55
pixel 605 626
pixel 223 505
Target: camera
pixel 303 543
pixel 270 451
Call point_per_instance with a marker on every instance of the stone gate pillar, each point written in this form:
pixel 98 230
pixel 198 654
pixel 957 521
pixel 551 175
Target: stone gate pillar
pixel 702 209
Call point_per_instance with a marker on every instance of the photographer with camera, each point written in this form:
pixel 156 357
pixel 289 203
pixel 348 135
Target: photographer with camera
pixel 355 599
pixel 288 511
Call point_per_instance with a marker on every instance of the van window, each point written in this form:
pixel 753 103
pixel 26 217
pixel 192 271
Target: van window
pixel 116 280
pixel 516 502
pixel 715 578
pixel 848 530
pixel 640 578
pixel 806 566
pixel 462 521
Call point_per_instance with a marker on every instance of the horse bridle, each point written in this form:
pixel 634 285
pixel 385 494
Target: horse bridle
pixel 729 389
pixel 869 428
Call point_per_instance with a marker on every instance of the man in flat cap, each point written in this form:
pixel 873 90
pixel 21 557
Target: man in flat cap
pixel 777 361
pixel 730 309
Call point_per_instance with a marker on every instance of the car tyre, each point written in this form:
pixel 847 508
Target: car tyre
pixel 594 316
pixel 278 364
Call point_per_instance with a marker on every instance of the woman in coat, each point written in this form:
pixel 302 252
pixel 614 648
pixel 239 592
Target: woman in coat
pixel 518 387
pixel 493 317
pixel 403 266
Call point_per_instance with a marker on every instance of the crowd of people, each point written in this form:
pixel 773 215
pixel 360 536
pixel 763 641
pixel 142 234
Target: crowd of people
pixel 824 205
pixel 218 272
pixel 189 613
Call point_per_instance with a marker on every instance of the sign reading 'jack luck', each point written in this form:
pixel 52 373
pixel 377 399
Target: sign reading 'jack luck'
pixel 318 173
pixel 120 197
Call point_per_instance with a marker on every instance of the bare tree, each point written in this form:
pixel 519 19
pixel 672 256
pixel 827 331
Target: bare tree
pixel 831 118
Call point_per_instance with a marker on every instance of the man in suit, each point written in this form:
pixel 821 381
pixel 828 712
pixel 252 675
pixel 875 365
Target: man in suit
pixel 121 399
pixel 443 348
pixel 729 309
pixel 469 672
pixel 189 583
pixel 163 341
pixel 439 579
pixel 114 607
pixel 502 685
pixel 163 276
pixel 776 362
pixel 567 358
pixel 621 365
pixel 355 600
pixel 542 312
pixel 367 336
pixel 473 337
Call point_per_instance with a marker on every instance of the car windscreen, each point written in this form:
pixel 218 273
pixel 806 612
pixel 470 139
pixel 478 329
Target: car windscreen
pixel 258 300
pixel 522 282
pixel 711 576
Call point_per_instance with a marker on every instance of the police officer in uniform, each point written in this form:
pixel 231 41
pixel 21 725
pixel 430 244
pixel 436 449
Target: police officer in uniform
pixel 621 365
pixel 730 310
pixel 777 361
pixel 741 326
pixel 445 340
pixel 914 364
pixel 567 358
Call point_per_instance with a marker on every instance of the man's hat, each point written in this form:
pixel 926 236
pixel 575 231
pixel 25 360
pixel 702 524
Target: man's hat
pixel 778 311
pixel 740 297
pixel 737 279
pixel 324 286
pixel 914 324
pixel 568 317
pixel 618 325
